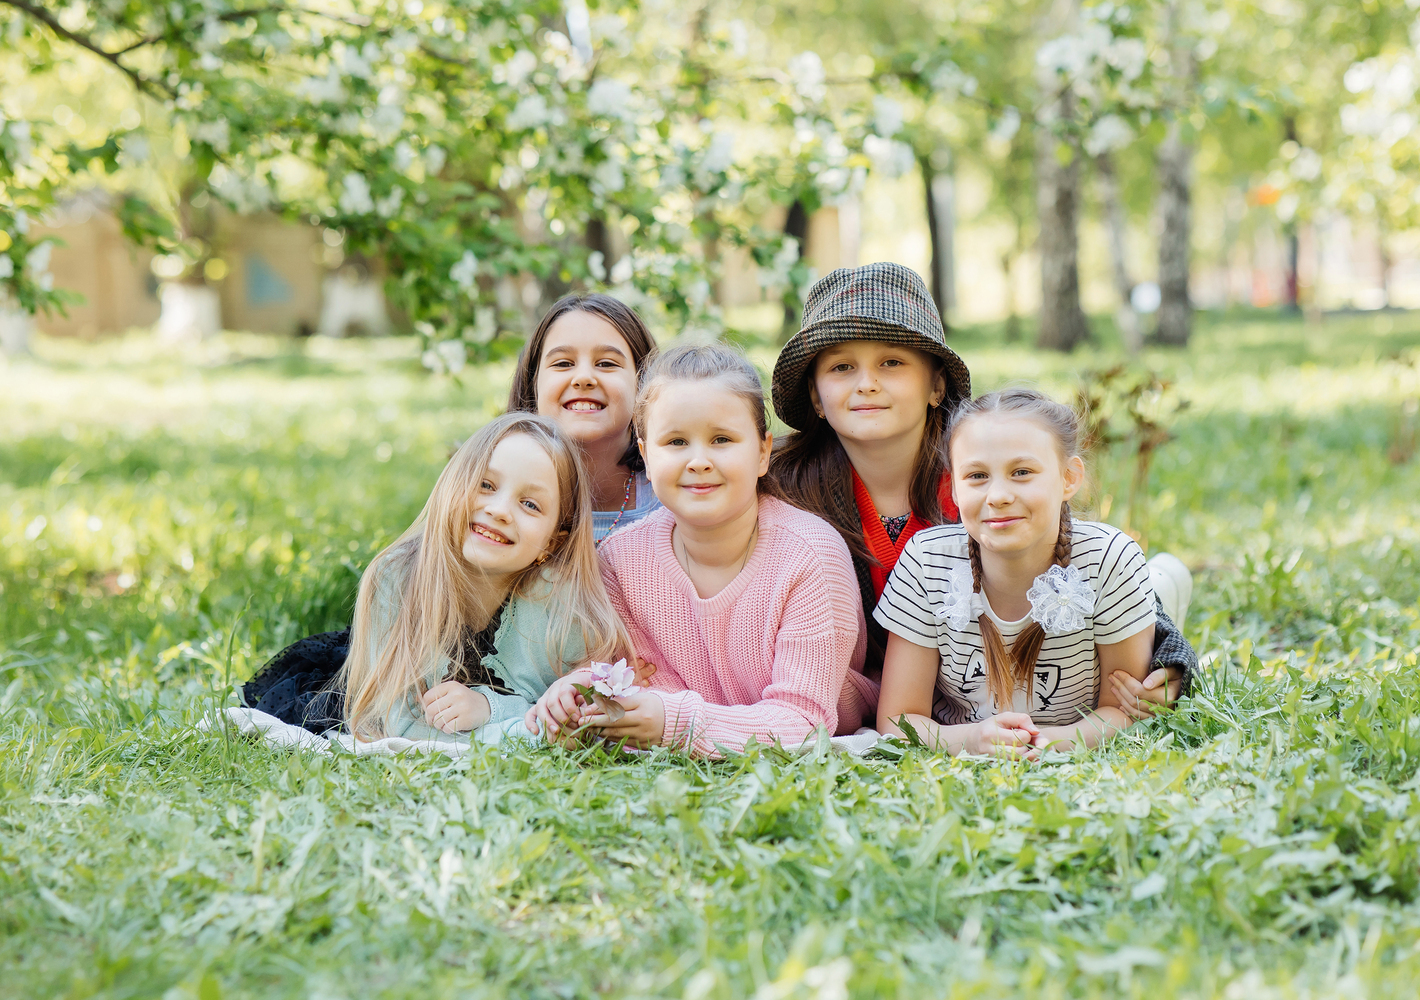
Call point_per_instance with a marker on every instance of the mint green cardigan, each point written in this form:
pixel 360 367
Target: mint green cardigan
pixel 521 657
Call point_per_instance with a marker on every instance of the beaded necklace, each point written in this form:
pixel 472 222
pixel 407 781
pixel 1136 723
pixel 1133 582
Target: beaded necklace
pixel 630 483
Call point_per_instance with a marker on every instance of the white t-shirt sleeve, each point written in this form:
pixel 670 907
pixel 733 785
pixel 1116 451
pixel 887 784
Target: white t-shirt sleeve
pixel 1124 605
pixel 904 609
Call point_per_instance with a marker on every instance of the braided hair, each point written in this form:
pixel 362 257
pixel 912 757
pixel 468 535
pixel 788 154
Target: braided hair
pixel 1008 670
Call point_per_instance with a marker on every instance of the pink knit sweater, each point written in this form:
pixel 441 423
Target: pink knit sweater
pixel 774 655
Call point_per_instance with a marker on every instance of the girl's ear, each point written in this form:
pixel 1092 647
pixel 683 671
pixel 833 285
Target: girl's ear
pixel 813 398
pixel 553 545
pixel 766 448
pixel 1074 475
pixel 641 447
pixel 939 389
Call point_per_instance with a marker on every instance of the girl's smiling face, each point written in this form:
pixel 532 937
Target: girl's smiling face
pixel 1009 480
pixel 515 513
pixel 703 452
pixel 871 391
pixel 586 379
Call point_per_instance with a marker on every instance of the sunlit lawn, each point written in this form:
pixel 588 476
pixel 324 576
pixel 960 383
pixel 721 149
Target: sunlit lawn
pixel 169 518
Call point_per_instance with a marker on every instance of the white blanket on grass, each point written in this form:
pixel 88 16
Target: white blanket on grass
pixel 276 733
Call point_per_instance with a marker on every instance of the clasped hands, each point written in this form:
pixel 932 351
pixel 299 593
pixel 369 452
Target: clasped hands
pixel 1014 734
pixel 565 715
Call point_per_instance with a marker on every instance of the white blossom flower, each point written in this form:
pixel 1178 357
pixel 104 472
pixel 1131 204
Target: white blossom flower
pixel 530 112
pixel 463 273
pixel 329 89
pixel 37 261
pixel 453 354
pixel 622 271
pixel 1127 55
pixel 387 122
pixel 614 680
pixel 355 197
pixel 806 73
pixel 353 63
pixel 949 78
pixel 388 206
pixel 719 153
pixel 7 266
pixel 403 157
pixel 887 116
pixel 608 178
pixel 217 134
pixel 1109 133
pixel 961 605
pixel 596 264
pixel 610 98
pixel 1007 125
pixel 893 158
pixel 1061 599
pixel 519 68
pixel 1306 166
pixel 485 326
pixel 434 160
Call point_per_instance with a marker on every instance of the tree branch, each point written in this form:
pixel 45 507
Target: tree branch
pixel 151 87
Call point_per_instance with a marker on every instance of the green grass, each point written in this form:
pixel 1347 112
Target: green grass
pixel 168 519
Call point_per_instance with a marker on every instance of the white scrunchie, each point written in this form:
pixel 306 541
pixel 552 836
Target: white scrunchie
pixel 960 604
pixel 1061 599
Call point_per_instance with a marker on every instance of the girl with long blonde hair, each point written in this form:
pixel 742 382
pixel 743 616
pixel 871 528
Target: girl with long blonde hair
pixel 493 593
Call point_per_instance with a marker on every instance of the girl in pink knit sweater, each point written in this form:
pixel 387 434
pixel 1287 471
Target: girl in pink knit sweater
pixel 747 606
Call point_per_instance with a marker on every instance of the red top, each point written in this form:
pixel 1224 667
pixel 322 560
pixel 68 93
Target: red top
pixel 879 544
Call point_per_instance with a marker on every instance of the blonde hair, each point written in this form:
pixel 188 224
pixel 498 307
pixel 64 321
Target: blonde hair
pixel 706 363
pixel 1008 670
pixel 438 602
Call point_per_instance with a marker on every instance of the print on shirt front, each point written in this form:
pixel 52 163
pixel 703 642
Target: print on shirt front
pixel 1065 684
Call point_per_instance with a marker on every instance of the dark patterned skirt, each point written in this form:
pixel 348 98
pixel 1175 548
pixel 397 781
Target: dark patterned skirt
pixel 298 685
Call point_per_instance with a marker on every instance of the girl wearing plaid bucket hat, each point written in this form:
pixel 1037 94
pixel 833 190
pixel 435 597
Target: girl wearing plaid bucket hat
pixel 869 385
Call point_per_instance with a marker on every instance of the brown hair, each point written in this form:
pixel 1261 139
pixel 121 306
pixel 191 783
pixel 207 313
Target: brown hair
pixel 438 590
pixel 813 471
pixel 522 396
pixel 1009 670
pixel 701 363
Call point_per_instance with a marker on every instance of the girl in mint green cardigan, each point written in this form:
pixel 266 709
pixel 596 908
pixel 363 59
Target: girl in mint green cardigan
pixel 492 594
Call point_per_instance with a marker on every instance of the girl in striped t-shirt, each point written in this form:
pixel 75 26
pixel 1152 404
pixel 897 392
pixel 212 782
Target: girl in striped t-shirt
pixel 1011 619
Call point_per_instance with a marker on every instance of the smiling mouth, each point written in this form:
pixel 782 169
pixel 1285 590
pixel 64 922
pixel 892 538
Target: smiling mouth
pixel 584 406
pixel 496 537
pixel 701 487
pixel 1001 522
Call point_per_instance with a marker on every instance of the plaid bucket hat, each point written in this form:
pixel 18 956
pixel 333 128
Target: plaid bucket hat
pixel 885 302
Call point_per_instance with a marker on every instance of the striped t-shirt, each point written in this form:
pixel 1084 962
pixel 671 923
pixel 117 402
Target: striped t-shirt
pixel 1065 685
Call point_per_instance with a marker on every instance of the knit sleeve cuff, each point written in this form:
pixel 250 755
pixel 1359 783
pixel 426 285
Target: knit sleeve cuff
pixel 682 713
pixel 503 707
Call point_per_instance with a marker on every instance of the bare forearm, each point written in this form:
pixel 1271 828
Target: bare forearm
pixel 952 739
pixel 1099 726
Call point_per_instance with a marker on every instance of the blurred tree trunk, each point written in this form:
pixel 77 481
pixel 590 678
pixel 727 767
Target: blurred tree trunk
pixel 599 240
pixel 1175 166
pixel 940 189
pixel 1116 224
pixel 1292 298
pixel 796 224
pixel 1057 180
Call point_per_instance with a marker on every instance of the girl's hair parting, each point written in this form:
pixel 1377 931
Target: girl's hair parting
pixel 1009 670
pixel 704 363
pixel 813 471
pixel 438 604
pixel 522 397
